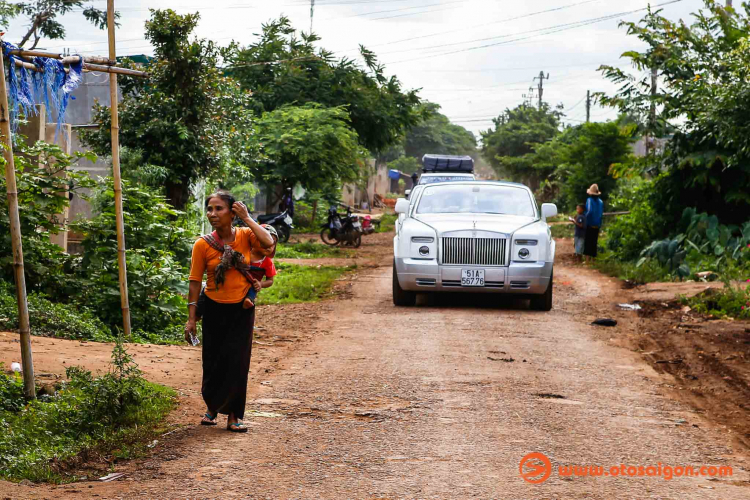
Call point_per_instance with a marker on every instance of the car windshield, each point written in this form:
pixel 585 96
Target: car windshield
pixel 474 199
pixel 431 179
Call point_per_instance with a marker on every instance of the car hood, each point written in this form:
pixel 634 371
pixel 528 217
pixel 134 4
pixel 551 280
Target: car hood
pixel 444 223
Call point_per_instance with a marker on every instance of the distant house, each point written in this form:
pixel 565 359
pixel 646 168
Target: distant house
pixel 378 183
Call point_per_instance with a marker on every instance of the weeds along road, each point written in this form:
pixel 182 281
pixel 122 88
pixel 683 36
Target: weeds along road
pixel 437 401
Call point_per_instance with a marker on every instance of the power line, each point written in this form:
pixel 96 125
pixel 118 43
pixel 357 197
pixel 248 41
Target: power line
pixel 552 29
pixel 474 27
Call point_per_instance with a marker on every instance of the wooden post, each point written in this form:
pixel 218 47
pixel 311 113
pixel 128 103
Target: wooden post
pixel 116 173
pixel 15 235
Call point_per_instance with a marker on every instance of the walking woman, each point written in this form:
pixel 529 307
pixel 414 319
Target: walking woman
pixel 227 326
pixel 594 214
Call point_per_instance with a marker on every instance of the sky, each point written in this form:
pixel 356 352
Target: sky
pixel 473 57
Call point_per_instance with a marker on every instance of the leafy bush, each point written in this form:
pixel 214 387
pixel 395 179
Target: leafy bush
pixel 387 223
pixel 628 234
pixel 42 196
pixel 296 284
pixel 648 272
pixel 11 392
pixel 51 319
pixel 730 301
pixel 107 413
pixel 158 251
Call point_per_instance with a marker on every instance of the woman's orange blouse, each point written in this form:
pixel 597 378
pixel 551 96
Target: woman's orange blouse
pixel 205 259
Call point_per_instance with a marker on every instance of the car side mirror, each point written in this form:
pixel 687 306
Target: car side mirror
pixel 549 210
pixel 402 206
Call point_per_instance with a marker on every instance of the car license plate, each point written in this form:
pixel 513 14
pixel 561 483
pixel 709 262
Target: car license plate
pixel 472 277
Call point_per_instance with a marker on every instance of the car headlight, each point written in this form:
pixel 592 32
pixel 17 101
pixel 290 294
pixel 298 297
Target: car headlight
pixel 526 243
pixel 424 251
pixel 524 253
pixel 422 239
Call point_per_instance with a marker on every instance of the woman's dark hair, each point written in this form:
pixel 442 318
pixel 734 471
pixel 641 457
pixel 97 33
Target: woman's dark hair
pixel 225 196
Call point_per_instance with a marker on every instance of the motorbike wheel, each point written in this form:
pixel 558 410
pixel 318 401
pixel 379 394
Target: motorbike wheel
pixel 357 240
pixel 284 233
pixel 326 235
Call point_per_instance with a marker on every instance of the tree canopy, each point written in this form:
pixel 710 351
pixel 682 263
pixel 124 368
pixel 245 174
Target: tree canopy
pixel 308 145
pixel 43 16
pixel 507 147
pixel 187 119
pixel 437 135
pixel 380 110
pixel 702 106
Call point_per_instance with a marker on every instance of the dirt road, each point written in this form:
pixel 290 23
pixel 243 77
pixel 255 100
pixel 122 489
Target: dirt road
pixel 438 401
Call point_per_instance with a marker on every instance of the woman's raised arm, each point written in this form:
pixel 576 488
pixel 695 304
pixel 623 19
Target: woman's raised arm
pixel 264 237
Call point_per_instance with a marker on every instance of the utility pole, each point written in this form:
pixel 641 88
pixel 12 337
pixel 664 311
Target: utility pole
pixel 540 88
pixel 588 106
pixel 312 11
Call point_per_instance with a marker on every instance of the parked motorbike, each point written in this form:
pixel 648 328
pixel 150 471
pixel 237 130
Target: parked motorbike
pixel 282 222
pixel 341 229
pixel 367 226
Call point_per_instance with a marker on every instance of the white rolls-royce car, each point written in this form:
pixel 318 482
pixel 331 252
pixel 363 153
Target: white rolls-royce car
pixel 473 236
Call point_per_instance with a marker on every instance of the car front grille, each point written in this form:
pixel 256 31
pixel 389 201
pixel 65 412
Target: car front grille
pixel 474 251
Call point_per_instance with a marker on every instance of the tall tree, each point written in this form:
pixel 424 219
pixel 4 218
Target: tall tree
pixel 381 111
pixel 308 145
pixel 703 97
pixel 186 119
pixel 437 135
pixel 507 147
pixel 42 16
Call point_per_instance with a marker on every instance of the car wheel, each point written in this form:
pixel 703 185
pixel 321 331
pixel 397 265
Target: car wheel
pixel 543 302
pixel 400 296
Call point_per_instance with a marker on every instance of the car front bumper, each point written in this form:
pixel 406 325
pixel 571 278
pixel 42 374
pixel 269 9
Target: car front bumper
pixel 416 275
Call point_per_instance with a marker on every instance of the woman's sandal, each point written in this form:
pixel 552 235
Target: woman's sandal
pixel 236 427
pixel 208 419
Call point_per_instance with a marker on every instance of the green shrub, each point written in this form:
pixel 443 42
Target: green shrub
pixel 51 319
pixel 11 392
pixel 628 235
pixel 111 413
pixel 563 230
pixel 158 253
pixel 296 284
pixel 649 271
pixel 730 301
pixel 387 223
pixel 42 196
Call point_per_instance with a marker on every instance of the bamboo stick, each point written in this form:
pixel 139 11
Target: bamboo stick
pixel 24 330
pixel 56 55
pixel 114 70
pixel 87 67
pixel 116 173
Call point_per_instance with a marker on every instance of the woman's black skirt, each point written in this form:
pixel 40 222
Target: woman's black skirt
pixel 227 344
pixel 592 241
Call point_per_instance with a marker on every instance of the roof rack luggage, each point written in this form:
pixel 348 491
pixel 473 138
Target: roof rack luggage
pixel 447 163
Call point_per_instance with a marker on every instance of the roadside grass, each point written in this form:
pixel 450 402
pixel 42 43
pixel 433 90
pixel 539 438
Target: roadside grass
pixel 728 302
pixel 310 250
pixel 649 272
pixel 114 415
pixel 387 223
pixel 52 319
pixel 562 230
pixel 295 284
